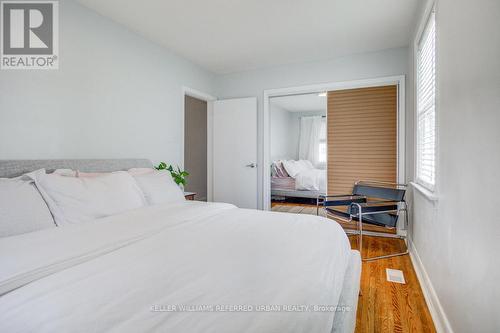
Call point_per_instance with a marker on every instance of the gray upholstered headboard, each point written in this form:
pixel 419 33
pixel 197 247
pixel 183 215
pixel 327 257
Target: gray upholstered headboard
pixel 14 168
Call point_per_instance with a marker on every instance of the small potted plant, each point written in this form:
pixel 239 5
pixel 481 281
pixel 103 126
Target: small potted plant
pixel 178 175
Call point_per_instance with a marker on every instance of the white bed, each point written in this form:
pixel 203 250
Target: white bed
pixel 135 270
pixel 299 179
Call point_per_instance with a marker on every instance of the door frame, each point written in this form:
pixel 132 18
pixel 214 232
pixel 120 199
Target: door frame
pixel 187 91
pixel 398 80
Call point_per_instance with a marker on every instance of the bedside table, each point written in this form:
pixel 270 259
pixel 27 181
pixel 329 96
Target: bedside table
pixel 189 195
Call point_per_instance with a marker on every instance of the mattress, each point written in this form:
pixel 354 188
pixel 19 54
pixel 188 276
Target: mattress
pixel 171 267
pixel 345 318
pixel 285 187
pixel 283 183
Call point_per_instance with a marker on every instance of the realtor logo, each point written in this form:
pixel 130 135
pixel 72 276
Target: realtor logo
pixel 29 35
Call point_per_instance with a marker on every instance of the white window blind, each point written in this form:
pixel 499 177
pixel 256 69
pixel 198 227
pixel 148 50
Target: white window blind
pixel 426 106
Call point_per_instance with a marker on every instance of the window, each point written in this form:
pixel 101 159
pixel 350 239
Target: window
pixel 322 142
pixel 426 107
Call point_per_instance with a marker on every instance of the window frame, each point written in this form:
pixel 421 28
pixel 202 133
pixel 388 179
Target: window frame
pixel 424 28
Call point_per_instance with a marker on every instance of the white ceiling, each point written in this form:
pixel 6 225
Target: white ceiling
pixel 226 36
pixel 301 103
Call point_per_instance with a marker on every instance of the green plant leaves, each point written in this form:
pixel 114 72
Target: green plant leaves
pixel 178 175
pixel 161 166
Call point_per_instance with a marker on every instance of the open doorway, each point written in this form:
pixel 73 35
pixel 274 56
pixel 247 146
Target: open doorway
pixel 195 147
pixel 298 151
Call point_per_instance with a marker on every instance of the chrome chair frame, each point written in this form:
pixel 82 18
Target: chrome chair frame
pixel 362 202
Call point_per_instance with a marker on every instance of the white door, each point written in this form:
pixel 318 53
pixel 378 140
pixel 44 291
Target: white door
pixel 235 152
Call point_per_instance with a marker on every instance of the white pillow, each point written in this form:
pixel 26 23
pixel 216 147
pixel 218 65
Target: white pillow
pixel 74 200
pixel 292 167
pixel 307 165
pixel 158 186
pixel 65 172
pixel 22 208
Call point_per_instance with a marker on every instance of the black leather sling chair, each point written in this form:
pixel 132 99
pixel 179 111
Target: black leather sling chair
pixel 371 202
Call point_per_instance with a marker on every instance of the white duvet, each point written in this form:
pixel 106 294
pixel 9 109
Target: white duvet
pixel 311 180
pixel 134 271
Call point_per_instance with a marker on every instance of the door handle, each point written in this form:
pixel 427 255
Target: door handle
pixel 251 165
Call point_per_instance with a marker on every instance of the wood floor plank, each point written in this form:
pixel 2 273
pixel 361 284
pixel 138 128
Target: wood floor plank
pixel 383 306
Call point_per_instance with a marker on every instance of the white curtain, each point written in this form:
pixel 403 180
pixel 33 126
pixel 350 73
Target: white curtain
pixel 309 139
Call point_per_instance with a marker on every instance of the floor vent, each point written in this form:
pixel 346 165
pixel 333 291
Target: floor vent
pixel 395 275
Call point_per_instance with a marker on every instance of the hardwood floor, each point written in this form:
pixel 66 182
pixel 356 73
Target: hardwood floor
pixel 296 208
pixel 383 306
pixel 386 306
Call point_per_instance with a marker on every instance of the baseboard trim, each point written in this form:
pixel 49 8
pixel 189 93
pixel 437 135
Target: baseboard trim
pixel 441 322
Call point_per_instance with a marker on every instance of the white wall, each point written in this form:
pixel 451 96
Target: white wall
pixel 457 237
pixel 284 134
pixel 285 131
pixel 362 66
pixel 115 95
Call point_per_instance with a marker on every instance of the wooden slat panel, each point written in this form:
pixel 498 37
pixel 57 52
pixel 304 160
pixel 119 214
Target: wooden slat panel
pixel 362 136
